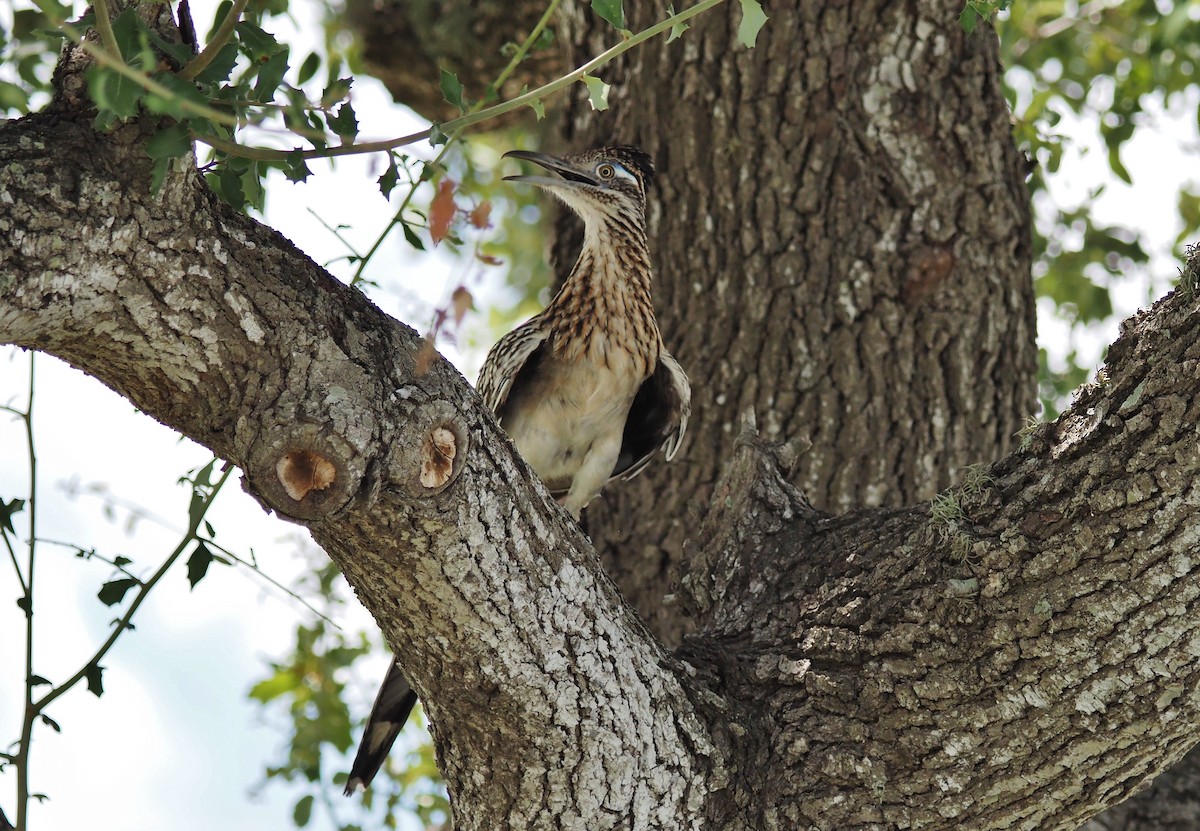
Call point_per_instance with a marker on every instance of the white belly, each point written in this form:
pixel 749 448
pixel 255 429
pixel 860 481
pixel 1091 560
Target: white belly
pixel 569 415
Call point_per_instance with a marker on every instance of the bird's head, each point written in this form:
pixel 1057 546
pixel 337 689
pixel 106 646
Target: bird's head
pixel 599 184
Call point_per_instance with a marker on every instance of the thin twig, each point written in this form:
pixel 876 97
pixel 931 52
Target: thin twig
pixel 398 216
pixel 462 122
pixel 30 712
pixel 91 554
pixel 253 566
pixel 12 555
pixel 104 25
pixel 143 591
pixel 118 65
pixel 199 63
pixel 143 514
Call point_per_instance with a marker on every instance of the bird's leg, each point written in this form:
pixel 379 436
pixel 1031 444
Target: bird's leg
pixel 592 474
pixel 562 500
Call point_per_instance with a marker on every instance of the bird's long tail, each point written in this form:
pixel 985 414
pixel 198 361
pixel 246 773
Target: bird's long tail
pixel 392 707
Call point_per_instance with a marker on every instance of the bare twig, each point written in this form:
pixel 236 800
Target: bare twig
pixel 199 63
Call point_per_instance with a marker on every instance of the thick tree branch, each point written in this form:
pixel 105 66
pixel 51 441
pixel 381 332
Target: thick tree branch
pixel 1020 654
pixel 494 600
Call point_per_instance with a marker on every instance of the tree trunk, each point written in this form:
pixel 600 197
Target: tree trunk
pixel 1017 654
pixel 842 243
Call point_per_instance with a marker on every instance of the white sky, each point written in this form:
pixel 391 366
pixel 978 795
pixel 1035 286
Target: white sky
pixel 175 743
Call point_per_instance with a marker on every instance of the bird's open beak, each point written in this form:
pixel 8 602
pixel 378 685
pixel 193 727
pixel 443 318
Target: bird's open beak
pixel 571 176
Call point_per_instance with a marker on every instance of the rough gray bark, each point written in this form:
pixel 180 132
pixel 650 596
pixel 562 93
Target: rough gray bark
pixel 1019 655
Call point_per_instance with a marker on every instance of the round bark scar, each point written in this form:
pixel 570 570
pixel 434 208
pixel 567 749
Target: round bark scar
pixel 302 471
pixel 437 457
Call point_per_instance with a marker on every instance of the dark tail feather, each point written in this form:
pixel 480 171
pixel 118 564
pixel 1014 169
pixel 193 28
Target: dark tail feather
pixel 391 709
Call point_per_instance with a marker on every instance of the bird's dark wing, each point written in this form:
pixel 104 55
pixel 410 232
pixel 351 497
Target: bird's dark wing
pixel 506 359
pixel 391 709
pixel 658 418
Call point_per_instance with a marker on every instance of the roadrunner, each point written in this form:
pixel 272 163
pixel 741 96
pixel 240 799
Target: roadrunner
pixel 586 390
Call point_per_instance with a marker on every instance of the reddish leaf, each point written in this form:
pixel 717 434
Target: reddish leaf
pixel 441 212
pixel 462 302
pixel 480 216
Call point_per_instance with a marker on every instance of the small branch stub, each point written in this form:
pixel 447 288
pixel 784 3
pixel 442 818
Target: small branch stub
pixel 303 471
pixel 437 457
pixel 426 461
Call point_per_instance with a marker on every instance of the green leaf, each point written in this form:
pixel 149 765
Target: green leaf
pixel 610 10
pixel 411 236
pixel 115 96
pixel 113 93
pixel 270 76
pixel 545 40
pixel 753 18
pixel 197 564
pixel 223 10
pixel 51 723
pixel 130 34
pixel 13 97
pixel 158 173
pixel 539 109
pixel 217 183
pixel 114 590
pixel 169 142
pixel 201 481
pixel 336 91
pixel 296 168
pixel 388 179
pixel 436 136
pixel 308 69
pixel 180 53
pixel 221 67
pixel 252 187
pixel 678 28
pixel 256 43
pixel 452 90
pixel 281 683
pixel 7 509
pixel 1118 168
pixel 344 122
pixel 968 19
pixel 597 92
pixel 302 813
pixel 95 684
pixel 181 93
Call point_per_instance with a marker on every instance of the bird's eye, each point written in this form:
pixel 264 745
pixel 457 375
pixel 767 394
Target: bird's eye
pixel 606 171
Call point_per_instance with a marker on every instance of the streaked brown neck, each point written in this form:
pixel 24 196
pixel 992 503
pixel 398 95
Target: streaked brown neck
pixel 608 292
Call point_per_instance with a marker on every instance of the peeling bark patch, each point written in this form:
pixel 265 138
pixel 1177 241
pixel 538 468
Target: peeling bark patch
pixel 301 472
pixel 437 457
